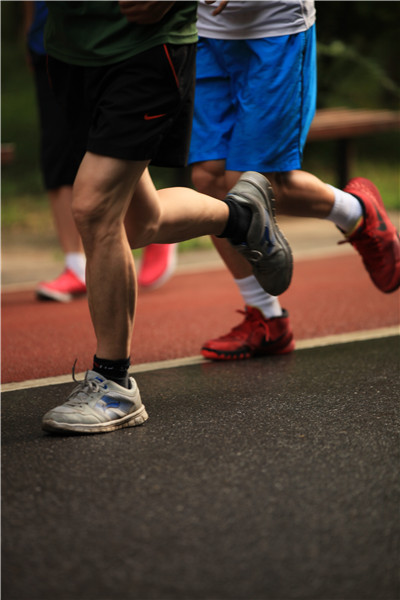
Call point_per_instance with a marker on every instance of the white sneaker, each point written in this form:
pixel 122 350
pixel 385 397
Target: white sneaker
pixel 97 405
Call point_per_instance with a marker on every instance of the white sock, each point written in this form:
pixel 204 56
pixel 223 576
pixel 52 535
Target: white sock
pixel 254 295
pixel 76 261
pixel 346 212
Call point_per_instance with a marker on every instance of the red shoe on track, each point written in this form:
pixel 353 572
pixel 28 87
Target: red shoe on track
pixel 376 239
pixel 255 336
pixel 62 289
pixel 158 264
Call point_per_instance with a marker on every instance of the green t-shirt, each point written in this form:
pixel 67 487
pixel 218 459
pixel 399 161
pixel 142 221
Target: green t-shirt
pixel 97 33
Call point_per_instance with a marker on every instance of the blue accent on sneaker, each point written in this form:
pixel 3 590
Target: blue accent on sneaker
pixel 111 402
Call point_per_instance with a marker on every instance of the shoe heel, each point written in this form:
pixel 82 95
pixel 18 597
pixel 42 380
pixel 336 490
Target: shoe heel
pixel 138 418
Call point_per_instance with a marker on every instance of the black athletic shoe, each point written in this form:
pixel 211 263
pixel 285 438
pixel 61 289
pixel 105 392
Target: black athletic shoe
pixel 266 247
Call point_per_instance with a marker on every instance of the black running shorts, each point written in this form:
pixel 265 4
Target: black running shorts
pixel 59 163
pixel 138 109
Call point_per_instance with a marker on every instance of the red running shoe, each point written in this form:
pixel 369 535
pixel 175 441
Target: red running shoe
pixel 63 289
pixel 158 264
pixel 255 336
pixel 376 239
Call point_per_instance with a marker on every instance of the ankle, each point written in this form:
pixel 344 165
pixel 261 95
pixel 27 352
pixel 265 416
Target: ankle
pixel 114 370
pixel 238 223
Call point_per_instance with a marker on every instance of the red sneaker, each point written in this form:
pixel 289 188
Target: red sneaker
pixel 158 264
pixel 255 336
pixel 63 289
pixel 376 239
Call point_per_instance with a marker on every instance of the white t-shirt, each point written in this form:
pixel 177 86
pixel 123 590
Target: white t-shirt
pixel 247 19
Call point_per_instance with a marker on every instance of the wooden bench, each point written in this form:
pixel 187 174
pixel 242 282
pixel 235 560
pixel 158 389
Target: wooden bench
pixel 7 154
pixel 344 125
pixel 341 124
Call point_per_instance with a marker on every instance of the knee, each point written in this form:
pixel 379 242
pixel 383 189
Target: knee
pixel 141 229
pixel 95 215
pixel 88 212
pixel 283 184
pixel 207 177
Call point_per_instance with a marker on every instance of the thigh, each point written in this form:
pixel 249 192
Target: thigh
pixel 104 187
pixel 143 214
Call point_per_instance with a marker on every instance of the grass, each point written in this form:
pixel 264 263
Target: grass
pixel 24 204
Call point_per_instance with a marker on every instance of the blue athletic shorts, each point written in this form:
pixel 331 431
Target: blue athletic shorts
pixel 254 101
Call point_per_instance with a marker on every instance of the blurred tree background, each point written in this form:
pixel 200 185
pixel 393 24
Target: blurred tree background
pixel 358 67
pixel 358 56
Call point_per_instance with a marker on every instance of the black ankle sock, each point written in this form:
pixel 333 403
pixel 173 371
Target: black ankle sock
pixel 115 370
pixel 238 223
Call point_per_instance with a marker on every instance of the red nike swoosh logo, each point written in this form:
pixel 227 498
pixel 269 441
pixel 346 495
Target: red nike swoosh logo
pixel 148 117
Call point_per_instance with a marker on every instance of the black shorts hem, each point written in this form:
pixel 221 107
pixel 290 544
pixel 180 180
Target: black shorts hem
pixel 121 154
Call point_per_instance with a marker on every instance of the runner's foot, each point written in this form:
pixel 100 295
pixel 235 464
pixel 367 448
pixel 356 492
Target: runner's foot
pixel 157 266
pixel 266 248
pixel 376 238
pixel 97 405
pixel 255 336
pixel 62 289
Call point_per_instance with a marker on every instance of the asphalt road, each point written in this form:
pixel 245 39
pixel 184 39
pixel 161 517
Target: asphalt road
pixel 268 479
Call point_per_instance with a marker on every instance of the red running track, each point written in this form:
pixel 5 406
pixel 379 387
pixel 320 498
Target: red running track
pixel 327 296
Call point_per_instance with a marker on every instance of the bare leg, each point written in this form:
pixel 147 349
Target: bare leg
pixel 61 206
pixel 103 190
pixel 143 213
pixel 210 177
pixel 301 194
pixel 183 214
pixel 71 282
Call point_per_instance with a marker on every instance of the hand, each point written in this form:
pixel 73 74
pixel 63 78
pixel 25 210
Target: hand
pixel 144 12
pixel 219 8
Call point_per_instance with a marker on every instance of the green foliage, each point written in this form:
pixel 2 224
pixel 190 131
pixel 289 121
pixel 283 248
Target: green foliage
pixel 11 20
pixel 357 67
pixel 357 57
pixel 19 124
pixel 373 87
pixel 377 158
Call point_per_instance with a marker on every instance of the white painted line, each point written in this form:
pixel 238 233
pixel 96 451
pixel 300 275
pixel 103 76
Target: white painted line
pixel 141 368
pixel 345 338
pixel 330 340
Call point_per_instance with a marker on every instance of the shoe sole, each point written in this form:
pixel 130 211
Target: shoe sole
pixel 216 355
pixel 267 195
pixel 43 294
pixel 137 418
pixel 283 242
